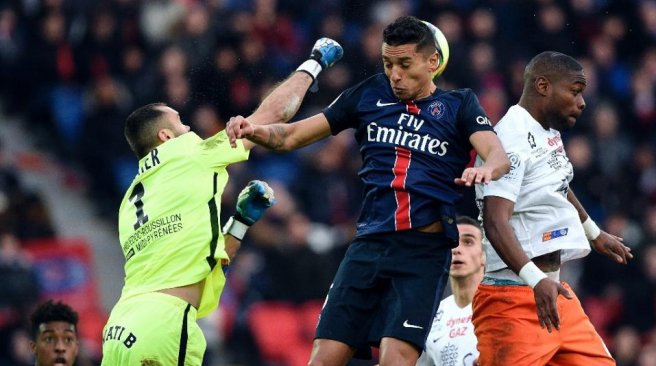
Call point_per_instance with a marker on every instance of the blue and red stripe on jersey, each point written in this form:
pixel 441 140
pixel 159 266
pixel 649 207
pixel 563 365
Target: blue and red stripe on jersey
pixel 411 152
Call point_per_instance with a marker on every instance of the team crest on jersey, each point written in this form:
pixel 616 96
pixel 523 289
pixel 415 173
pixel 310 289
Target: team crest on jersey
pixel 436 109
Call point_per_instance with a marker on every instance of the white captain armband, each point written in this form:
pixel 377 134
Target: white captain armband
pixel 531 274
pixel 235 228
pixel 591 229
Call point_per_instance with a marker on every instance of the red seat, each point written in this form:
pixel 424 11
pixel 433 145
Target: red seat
pixel 309 317
pixel 276 327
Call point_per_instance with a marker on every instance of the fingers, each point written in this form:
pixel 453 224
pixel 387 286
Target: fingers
pixel 475 176
pixel 563 291
pixel 544 319
pixel 622 254
pixel 238 127
pixel 546 300
pixel 232 137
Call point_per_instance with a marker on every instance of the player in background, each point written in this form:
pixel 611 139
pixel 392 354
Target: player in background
pixel 54 334
pixel 415 141
pixel 451 340
pixel 533 223
pixel 169 226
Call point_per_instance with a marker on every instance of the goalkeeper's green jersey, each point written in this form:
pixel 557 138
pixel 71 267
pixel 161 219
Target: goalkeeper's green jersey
pixel 169 225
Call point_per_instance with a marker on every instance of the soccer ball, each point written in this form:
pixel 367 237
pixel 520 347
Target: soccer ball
pixel 442 48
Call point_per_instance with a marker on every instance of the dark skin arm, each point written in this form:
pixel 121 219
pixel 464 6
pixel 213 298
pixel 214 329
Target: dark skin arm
pixel 609 245
pixel 497 212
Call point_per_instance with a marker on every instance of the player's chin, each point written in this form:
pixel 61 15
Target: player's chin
pixel 458 270
pixel 400 93
pixel 571 120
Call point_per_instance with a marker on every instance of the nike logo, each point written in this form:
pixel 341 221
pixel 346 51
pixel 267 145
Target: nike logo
pixel 408 325
pixel 380 104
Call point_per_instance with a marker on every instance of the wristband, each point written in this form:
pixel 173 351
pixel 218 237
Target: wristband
pixel 235 228
pixel 591 229
pixel 531 274
pixel 312 67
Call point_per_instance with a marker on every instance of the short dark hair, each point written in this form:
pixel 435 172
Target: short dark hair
pixel 550 64
pixel 409 29
pixel 141 126
pixel 51 311
pixel 466 220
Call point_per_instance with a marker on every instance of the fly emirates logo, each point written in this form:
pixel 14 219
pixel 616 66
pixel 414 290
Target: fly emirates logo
pixel 407 135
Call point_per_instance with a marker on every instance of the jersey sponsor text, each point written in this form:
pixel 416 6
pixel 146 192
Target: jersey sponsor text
pixel 409 139
pixel 157 228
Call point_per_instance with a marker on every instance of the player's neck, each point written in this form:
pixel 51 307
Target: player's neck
pixel 463 288
pixel 426 91
pixel 533 110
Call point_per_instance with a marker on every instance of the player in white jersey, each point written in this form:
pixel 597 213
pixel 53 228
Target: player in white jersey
pixel 451 341
pixel 533 224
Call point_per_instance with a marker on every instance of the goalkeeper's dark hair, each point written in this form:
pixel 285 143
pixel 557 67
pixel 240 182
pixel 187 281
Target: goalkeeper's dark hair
pixel 550 64
pixel 407 30
pixel 141 128
pixel 51 311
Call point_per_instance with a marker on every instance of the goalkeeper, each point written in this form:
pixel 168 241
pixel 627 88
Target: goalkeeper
pixel 169 227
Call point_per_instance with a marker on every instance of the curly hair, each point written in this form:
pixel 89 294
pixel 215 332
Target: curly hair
pixel 50 311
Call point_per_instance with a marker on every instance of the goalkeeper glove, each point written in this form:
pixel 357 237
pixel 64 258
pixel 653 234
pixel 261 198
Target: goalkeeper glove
pixel 252 201
pixel 324 54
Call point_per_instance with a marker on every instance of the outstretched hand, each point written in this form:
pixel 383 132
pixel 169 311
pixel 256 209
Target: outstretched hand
pixel 253 200
pixel 238 127
pixel 613 247
pixel 477 175
pixel 546 295
pixel 326 52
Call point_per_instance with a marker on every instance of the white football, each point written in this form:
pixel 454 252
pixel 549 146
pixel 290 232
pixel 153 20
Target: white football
pixel 442 48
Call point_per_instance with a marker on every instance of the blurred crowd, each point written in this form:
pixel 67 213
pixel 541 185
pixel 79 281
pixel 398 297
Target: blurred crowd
pixel 73 70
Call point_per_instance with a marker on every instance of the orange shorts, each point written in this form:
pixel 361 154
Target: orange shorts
pixel 508 332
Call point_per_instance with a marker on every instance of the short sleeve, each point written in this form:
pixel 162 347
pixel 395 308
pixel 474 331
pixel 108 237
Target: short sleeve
pixel 342 112
pixel 216 151
pixel 509 185
pixel 471 116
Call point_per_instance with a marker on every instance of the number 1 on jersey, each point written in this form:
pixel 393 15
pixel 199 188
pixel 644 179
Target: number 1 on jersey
pixel 135 198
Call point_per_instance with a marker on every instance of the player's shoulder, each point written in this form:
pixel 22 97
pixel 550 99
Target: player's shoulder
pixel 516 122
pixel 373 84
pixel 460 93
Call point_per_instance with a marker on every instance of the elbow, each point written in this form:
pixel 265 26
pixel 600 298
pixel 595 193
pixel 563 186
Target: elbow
pixel 502 170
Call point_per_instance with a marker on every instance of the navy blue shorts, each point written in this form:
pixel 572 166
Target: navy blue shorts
pixel 387 285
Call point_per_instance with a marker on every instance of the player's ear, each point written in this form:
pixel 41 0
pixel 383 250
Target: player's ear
pixel 434 62
pixel 165 134
pixel 542 85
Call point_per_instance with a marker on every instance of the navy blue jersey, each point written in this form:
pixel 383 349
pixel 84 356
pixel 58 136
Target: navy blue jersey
pixel 411 152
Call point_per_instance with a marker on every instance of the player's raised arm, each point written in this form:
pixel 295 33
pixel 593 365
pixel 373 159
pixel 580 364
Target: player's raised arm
pixel 284 101
pixel 496 163
pixel 280 136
